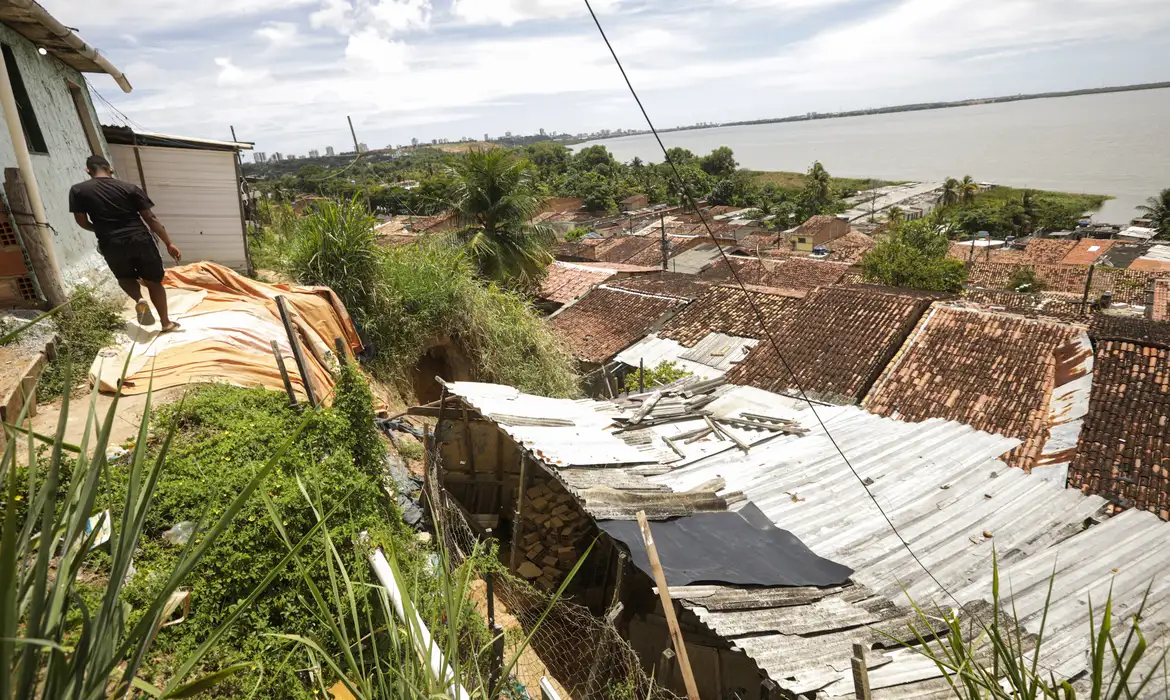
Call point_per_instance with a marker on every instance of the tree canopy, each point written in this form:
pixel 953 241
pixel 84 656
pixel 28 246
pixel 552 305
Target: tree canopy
pixel 914 255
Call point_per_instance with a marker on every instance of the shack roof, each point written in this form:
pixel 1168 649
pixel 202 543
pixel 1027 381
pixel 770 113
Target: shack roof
pixel 1041 305
pixel 837 342
pixel 664 284
pixel 938 481
pixel 1086 251
pixel 725 309
pixel 28 19
pixel 789 273
pixel 1046 251
pixel 606 320
pixel 565 282
pixel 996 372
pixel 709 358
pixel 1123 452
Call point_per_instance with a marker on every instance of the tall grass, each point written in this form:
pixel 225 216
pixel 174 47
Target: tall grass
pixel 336 246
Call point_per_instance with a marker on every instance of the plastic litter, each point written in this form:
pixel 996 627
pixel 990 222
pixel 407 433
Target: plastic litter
pixel 180 534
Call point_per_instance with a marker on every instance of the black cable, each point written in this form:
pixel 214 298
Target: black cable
pixel 756 310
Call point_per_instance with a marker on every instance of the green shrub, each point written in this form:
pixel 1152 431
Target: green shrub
pixel 336 246
pixel 89 328
pixel 914 255
pixel 223 435
pixel 1024 279
pixel 663 374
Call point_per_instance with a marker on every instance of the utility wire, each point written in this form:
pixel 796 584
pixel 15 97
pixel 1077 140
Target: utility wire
pixel 756 310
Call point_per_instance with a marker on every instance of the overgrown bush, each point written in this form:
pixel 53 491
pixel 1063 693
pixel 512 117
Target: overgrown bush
pixel 89 328
pixel 1024 279
pixel 661 375
pixel 269 247
pixel 223 434
pixel 914 255
pixel 336 246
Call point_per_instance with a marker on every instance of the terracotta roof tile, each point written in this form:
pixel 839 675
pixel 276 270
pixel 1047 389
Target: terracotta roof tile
pixel 724 309
pixel 962 252
pixel 1150 265
pixel 837 342
pixel 665 284
pixel 1137 330
pixel 566 281
pixel 652 254
pixel 1086 251
pixel 789 273
pixel 1128 286
pixel 1160 310
pixel 606 321
pixel 621 249
pixel 992 371
pixel 1123 453
pixel 1031 305
pixel 1047 251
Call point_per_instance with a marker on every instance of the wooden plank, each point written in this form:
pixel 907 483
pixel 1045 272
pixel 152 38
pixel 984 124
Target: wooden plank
pixel 518 523
pixel 680 646
pixel 860 674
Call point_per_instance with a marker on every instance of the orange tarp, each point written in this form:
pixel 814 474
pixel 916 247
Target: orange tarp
pixel 228 325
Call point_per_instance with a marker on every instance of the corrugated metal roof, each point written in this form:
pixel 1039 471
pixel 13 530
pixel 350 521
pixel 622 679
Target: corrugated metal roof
pixel 942 485
pixel 711 357
pixel 694 259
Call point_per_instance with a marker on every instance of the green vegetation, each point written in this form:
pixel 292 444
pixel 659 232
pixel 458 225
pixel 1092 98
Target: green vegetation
pixel 494 200
pixel 336 246
pixel 90 326
pixel 665 373
pixel 996 659
pixel 1005 211
pixel 1024 279
pixel 913 254
pixel 1158 210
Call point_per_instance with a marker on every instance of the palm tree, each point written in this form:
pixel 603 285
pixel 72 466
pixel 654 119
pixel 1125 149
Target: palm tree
pixel 968 188
pixel 950 193
pixel 494 202
pixel 895 215
pixel 1157 209
pixel 818 187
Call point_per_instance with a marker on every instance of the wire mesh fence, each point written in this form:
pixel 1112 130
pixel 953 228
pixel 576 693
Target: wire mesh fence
pixel 585 656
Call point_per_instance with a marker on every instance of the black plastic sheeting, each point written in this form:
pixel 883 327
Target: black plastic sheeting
pixel 741 548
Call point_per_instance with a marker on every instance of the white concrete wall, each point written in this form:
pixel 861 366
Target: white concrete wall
pixel 45 79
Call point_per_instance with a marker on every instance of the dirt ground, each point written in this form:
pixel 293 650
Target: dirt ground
pixel 126 420
pixel 529 669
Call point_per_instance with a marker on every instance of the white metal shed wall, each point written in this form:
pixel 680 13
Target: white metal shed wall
pixel 195 195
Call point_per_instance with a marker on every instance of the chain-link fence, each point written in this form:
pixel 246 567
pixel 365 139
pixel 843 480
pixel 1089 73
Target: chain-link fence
pixel 584 656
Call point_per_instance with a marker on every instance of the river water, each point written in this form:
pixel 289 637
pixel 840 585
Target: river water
pixel 1115 144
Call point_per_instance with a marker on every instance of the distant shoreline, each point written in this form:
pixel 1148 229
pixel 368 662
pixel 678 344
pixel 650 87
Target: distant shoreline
pixel 916 107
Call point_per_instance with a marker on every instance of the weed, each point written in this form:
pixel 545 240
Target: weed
pixel 663 374
pixel 89 328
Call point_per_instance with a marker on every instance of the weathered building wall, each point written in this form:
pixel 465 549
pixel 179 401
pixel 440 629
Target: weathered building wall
pixel 47 81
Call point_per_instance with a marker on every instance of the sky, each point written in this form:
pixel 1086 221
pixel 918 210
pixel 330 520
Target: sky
pixel 286 73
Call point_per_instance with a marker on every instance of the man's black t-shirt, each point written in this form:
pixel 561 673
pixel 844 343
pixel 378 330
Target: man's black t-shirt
pixel 112 206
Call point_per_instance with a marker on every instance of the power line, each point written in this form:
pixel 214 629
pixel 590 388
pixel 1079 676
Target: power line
pixel 756 310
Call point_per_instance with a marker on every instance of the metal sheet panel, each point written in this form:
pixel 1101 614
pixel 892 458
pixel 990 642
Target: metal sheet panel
pixel 196 196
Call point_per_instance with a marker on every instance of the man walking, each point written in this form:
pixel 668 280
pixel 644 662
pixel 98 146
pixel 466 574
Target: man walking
pixel 119 213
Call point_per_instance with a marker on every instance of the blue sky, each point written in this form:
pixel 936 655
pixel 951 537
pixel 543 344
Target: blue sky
pixel 286 73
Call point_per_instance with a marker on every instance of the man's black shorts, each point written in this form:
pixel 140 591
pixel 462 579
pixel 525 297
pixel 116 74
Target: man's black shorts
pixel 133 257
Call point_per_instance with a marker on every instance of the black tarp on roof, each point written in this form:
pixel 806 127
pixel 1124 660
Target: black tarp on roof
pixel 741 548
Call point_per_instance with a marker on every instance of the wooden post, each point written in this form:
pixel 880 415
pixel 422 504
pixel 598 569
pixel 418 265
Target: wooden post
pixel 1088 288
pixel 518 526
pixel 860 673
pixel 769 690
pixel 676 638
pixel 342 355
pixel 641 375
pixel 288 387
pixel 476 497
pixel 663 245
pixel 665 667
pixel 34 243
pixel 298 352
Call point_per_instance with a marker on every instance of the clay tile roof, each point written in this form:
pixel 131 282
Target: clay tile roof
pixel 606 321
pixel 664 284
pixel 566 281
pixel 1128 286
pixel 1150 265
pixel 586 248
pixel 724 309
pixel 1046 251
pixel 816 223
pixel 758 242
pixel 651 255
pixel 850 248
pixel 621 249
pixel 789 273
pixel 1160 310
pixel 1123 453
pixel 992 371
pixel 962 252
pixel 1136 330
pixel 837 342
pixel 1086 251
pixel 1031 305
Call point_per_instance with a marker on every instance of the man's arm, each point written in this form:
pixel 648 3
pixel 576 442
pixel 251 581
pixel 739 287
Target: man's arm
pixel 82 220
pixel 161 231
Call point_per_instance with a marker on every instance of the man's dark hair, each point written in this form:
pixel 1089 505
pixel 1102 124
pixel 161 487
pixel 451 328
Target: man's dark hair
pixel 96 163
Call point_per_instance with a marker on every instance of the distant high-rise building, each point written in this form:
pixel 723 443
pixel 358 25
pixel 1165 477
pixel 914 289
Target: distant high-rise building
pixel 314 153
pixel 362 148
pixel 414 142
pixel 260 157
pixel 486 137
pixel 507 134
pixel 277 157
pixel 542 132
pixel 329 150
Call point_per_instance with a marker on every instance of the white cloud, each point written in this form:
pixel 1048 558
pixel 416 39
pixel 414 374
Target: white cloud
pixel 333 14
pixel 90 15
pixel 370 52
pixel 279 35
pixel 232 76
pixel 400 15
pixel 509 12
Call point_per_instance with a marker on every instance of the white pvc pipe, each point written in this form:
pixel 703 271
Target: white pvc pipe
pixel 24 163
pixel 421 635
